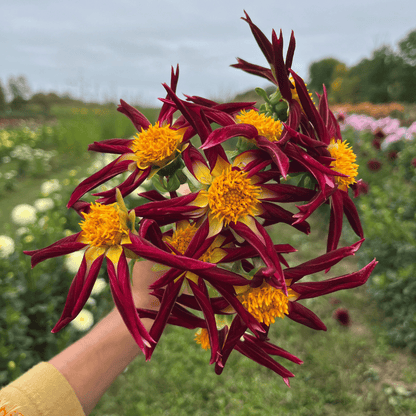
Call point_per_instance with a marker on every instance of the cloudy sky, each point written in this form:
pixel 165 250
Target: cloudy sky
pixel 125 48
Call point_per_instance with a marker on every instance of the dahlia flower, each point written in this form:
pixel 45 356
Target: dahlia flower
pixel 153 148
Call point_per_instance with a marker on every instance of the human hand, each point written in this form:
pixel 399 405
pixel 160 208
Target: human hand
pixel 143 277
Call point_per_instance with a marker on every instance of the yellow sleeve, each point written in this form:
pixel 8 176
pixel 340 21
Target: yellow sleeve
pixel 42 390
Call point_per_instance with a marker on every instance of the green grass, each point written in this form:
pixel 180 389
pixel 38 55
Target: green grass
pixel 27 190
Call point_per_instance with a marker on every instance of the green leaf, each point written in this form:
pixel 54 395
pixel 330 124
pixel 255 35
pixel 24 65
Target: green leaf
pixel 275 98
pixel 158 184
pixel 173 183
pixel 171 168
pixel 262 94
pixel 231 154
pixel 193 183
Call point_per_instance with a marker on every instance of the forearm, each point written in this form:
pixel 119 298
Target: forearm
pixel 92 363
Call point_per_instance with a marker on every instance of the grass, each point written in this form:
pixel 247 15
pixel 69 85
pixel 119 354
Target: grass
pixel 27 190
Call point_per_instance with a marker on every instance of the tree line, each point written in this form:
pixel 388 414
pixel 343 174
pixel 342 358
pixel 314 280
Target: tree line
pixel 388 75
pixel 16 98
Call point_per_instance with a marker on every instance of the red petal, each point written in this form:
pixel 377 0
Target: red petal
pixel 272 349
pixel 274 214
pixel 266 252
pixel 123 298
pixel 224 133
pixel 128 186
pixel 290 51
pixel 321 263
pixel 278 156
pixel 61 247
pixel 150 252
pixel 79 292
pixel 205 305
pixel 119 146
pixel 137 118
pixel 166 305
pixel 280 67
pixel 348 281
pixel 108 172
pixel 255 70
pixel 309 108
pixel 304 316
pixel 151 232
pixel 228 293
pixel 264 44
pixel 335 221
pixel 237 329
pixel 247 251
pixel 255 353
pixel 351 213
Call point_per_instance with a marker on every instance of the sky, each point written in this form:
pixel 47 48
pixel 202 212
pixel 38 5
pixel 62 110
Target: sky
pixel 107 50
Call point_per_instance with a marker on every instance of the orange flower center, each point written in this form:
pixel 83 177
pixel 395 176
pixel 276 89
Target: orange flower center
pixel 343 163
pixel 266 126
pixel 104 225
pixel 181 237
pixel 232 196
pixel 157 145
pixel 202 337
pixel 266 303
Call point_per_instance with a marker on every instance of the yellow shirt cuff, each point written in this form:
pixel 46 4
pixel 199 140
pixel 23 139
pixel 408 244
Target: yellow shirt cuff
pixel 42 390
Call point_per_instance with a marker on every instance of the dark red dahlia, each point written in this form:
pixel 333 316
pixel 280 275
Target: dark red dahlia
pixel 379 134
pixel 376 143
pixel 360 187
pixel 342 316
pixel 341 117
pixel 393 155
pixel 374 165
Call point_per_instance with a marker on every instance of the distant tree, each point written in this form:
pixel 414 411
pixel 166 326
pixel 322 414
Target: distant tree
pixel 405 86
pixel 345 89
pixel 322 72
pixel 376 76
pixel 19 90
pixel 408 48
pixel 45 101
pixel 388 75
pixel 3 102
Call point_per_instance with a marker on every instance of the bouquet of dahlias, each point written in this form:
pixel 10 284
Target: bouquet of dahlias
pixel 223 274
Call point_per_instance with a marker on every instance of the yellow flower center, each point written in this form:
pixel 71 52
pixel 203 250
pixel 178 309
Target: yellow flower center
pixel 343 163
pixel 104 225
pixel 182 237
pixel 266 303
pixel 202 337
pixel 232 196
pixel 265 125
pixel 156 145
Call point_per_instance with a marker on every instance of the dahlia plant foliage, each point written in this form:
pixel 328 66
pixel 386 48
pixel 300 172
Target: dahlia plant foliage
pixel 223 276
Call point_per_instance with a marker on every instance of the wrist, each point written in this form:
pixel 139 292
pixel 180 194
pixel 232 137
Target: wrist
pixel 91 364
